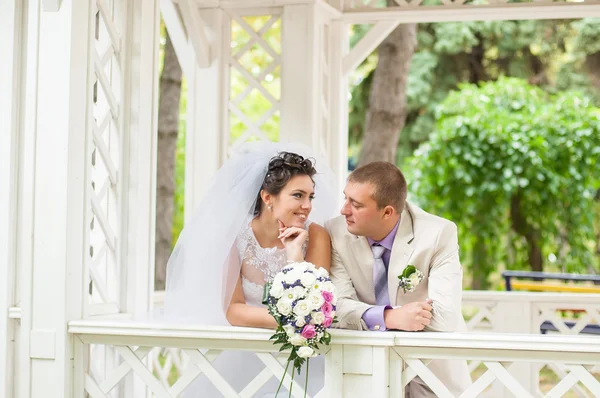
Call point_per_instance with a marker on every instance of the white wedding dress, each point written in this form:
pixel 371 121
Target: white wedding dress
pixel 239 368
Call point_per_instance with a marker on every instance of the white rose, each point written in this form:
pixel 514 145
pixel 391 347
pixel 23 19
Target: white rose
pixel 300 267
pixel 317 318
pixel 310 266
pixel 305 352
pixel 297 340
pixel 322 273
pixel 276 290
pixel 300 321
pixel 307 279
pixel 299 292
pixel 302 308
pixel 414 279
pixel 284 307
pixel 328 286
pixel 292 276
pixel 289 330
pixel 278 280
pixel 316 300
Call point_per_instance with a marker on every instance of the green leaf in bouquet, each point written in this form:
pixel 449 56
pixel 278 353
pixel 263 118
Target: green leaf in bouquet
pixel 286 346
pixel 265 297
pixel 326 338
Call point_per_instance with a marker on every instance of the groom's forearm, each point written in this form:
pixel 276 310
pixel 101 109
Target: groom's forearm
pixel 349 314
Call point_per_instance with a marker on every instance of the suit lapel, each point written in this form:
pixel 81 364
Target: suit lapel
pixel 364 260
pixel 401 252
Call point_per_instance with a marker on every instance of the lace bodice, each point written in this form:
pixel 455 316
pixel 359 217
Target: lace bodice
pixel 259 264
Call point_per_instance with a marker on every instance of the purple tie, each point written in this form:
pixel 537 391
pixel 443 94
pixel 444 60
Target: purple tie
pixel 380 276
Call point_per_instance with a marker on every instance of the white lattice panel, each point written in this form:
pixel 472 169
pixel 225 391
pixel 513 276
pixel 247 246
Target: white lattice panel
pixel 105 139
pixel 479 316
pixel 172 370
pixel 574 380
pixel 255 85
pixel 105 156
pixel 566 318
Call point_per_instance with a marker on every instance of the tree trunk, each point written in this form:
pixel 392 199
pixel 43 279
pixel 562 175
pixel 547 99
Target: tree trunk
pixel 592 66
pixel 168 127
pixel 387 102
pixel 476 68
pixel 531 234
pixel 539 76
pixel 481 267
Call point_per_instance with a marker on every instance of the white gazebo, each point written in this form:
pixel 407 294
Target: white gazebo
pixel 78 115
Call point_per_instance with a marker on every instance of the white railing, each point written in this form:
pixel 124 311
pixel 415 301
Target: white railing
pixel 523 312
pixel 172 352
pixel 357 364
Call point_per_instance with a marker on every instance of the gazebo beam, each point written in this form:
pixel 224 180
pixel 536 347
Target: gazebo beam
pixel 196 28
pixel 177 33
pixel 368 44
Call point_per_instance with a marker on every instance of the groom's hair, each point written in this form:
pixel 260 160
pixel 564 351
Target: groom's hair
pixel 390 188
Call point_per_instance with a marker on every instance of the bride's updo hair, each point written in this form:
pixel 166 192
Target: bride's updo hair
pixel 281 169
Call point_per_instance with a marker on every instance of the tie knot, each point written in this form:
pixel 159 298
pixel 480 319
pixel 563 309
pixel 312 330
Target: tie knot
pixel 377 251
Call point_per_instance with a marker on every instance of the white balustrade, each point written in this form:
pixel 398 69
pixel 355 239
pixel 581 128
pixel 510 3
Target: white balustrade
pixel 357 363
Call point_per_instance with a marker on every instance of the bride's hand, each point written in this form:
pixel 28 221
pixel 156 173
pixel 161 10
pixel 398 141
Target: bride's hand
pixel 293 239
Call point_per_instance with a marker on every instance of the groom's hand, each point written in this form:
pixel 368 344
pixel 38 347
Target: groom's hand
pixel 411 317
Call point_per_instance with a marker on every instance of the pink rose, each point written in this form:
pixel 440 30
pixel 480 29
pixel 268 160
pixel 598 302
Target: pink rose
pixel 328 321
pixel 327 308
pixel 327 296
pixel 308 332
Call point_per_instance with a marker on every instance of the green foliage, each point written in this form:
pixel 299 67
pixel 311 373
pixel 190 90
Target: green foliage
pixel 452 53
pixel 507 142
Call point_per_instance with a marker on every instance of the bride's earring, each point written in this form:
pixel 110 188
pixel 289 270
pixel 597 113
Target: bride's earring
pixel 271 207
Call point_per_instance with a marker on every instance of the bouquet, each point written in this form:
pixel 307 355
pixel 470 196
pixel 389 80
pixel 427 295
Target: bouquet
pixel 302 300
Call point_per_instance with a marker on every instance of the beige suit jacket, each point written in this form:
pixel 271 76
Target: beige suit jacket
pixel 429 243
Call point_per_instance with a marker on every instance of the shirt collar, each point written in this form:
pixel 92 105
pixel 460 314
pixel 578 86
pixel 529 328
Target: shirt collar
pixel 388 241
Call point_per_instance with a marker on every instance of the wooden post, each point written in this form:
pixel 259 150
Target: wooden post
pixel 10 77
pixel 300 75
pixel 55 112
pixel 207 113
pixel 338 103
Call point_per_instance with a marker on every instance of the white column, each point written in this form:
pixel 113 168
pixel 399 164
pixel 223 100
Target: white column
pixel 56 115
pixel 338 103
pixel 139 158
pixel 10 48
pixel 300 68
pixel 207 131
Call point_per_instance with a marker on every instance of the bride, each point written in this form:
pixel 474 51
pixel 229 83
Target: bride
pixel 253 221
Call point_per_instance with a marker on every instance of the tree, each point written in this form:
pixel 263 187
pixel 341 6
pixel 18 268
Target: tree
pixel 517 168
pixel 168 124
pixel 546 53
pixel 387 102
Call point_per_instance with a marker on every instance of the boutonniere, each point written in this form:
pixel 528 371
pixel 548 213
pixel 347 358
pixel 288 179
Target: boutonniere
pixel 410 279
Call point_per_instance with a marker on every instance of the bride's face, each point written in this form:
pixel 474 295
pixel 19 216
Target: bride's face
pixel 294 203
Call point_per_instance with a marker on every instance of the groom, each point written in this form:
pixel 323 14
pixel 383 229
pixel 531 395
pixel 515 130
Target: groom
pixel 377 236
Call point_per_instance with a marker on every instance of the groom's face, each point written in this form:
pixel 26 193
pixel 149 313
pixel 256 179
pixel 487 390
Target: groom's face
pixel 363 218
